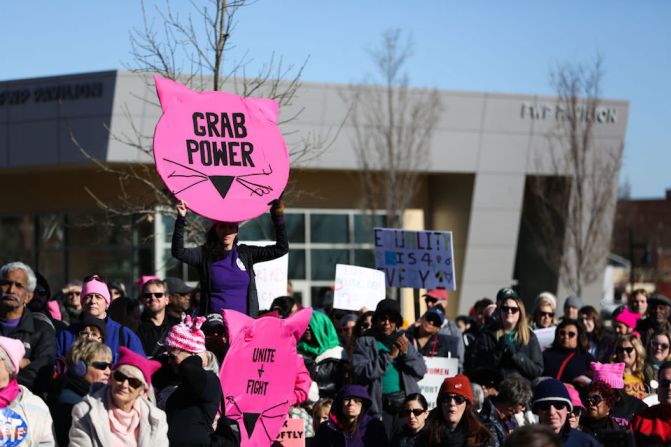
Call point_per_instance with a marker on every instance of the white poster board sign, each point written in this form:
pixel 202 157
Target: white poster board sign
pixel 271 277
pixel 357 287
pixel 437 369
pixel 545 336
pixel 416 259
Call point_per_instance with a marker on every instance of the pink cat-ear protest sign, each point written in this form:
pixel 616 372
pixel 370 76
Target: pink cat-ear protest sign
pixel 258 375
pixel 221 153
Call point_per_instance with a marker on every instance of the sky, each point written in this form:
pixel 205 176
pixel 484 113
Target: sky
pixel 485 46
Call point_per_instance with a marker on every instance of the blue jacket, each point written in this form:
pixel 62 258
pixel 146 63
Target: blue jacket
pixel 115 335
pixel 576 438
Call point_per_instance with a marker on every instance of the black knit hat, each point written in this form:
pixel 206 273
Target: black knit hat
pixel 389 307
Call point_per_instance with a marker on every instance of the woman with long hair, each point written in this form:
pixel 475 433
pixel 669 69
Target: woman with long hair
pixel 568 359
pixel 350 424
pixel 629 350
pixel 454 422
pixel 600 338
pixel 414 431
pixel 508 344
pixel 227 279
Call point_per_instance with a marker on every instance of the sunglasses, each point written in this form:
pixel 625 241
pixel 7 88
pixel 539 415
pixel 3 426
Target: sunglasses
pixel 430 300
pixel 365 325
pixel 577 411
pixel 664 383
pixel 567 334
pixel 132 381
pixel 662 346
pixel 415 412
pixel 545 406
pixel 621 349
pixel 103 366
pixel 547 314
pixel 510 309
pixel 453 397
pixel 593 400
pixel 148 295
pixel 96 277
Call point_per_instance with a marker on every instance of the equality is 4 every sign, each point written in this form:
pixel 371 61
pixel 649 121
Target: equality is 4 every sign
pixel 221 153
pixel 416 259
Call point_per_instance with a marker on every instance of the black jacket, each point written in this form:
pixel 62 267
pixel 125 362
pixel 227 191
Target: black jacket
pixel 39 339
pixel 193 404
pixel 439 345
pixel 249 255
pixel 151 335
pixel 579 365
pixel 527 359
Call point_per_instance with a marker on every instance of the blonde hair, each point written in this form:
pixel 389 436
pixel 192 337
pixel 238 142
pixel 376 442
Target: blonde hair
pixel 521 328
pixel 87 351
pixel 544 299
pixel 639 367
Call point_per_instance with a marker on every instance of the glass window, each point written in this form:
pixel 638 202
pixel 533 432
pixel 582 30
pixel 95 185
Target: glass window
pixel 259 229
pixel 323 263
pixel 329 228
pixel 364 258
pixel 296 264
pixel 295 224
pixel 363 227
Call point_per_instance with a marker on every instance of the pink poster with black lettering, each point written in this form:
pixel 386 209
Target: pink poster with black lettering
pixel 221 153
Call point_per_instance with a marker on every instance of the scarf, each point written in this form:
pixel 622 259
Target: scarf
pixel 124 427
pixel 9 393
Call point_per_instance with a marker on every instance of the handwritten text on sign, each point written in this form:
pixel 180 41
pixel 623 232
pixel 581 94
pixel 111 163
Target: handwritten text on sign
pixel 417 259
pixel 437 370
pixel 357 287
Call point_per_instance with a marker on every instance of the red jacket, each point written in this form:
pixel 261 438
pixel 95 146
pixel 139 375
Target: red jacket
pixel 652 425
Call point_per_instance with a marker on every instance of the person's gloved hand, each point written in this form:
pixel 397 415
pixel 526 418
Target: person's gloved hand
pixel 277 208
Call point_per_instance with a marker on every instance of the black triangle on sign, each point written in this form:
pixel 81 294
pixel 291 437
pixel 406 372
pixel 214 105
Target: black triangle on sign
pixel 250 422
pixel 222 183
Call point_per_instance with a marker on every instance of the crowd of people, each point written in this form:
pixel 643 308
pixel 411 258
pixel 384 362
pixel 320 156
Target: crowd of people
pixel 91 365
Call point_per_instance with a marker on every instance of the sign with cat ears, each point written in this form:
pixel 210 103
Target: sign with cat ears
pixel 223 154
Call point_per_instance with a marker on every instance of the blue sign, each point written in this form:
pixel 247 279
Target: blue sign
pixel 13 429
pixel 416 259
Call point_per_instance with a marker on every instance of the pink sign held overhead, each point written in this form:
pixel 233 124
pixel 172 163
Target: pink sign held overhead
pixel 258 375
pixel 221 153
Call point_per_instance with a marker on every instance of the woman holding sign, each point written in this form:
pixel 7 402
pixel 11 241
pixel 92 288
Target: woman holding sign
pixel 227 279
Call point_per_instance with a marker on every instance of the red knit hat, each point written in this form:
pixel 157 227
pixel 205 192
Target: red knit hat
pixel 458 384
pixel 147 367
pixel 187 336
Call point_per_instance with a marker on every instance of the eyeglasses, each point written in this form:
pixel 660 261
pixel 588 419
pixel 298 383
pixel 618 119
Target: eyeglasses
pixel 662 346
pixel 453 397
pixel 415 412
pixel 148 295
pixel 567 334
pixel 545 406
pixel 103 366
pixel 622 349
pixel 593 401
pixel 547 314
pixel 132 381
pixel 510 309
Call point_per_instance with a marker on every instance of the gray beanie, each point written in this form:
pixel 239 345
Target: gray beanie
pixel 574 301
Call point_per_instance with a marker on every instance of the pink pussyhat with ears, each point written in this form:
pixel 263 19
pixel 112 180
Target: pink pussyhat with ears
pixel 609 373
pixel 628 318
pixel 187 336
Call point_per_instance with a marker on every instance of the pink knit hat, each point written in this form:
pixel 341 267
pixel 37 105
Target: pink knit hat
pixel 129 358
pixel 575 396
pixel 14 350
pixel 609 373
pixel 187 336
pixel 628 318
pixel 95 285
